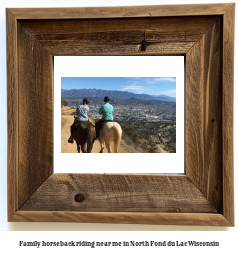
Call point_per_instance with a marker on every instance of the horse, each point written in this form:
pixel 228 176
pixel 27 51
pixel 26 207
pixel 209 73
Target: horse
pixel 110 132
pixel 84 134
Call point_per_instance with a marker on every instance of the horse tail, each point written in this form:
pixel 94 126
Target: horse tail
pixel 117 137
pixel 89 141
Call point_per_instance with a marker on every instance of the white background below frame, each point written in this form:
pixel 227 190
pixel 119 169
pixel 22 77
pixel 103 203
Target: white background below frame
pixel 119 66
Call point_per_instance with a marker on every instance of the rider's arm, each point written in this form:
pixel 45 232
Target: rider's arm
pixel 77 111
pixel 101 110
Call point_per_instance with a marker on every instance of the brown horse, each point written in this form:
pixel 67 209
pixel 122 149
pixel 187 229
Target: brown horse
pixel 84 134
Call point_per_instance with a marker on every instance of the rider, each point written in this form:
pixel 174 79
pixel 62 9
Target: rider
pixel 107 114
pixel 82 116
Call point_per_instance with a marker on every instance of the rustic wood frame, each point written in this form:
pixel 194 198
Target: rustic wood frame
pixel 204 34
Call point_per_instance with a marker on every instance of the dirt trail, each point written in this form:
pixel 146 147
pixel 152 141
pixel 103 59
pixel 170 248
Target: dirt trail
pixel 66 122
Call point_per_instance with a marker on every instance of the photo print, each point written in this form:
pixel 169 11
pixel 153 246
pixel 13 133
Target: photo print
pixel 142 117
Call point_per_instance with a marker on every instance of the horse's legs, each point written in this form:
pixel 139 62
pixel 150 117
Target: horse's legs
pixel 83 147
pixel 108 147
pixel 78 147
pixel 90 140
pixel 102 145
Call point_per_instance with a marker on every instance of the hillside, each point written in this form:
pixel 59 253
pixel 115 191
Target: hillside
pixel 144 136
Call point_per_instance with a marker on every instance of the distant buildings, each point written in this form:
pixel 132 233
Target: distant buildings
pixel 157 114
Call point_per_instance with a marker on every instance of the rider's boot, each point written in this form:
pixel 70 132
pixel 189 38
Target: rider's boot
pixel 71 140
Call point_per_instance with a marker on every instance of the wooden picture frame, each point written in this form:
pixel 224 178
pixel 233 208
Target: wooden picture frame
pixel 204 34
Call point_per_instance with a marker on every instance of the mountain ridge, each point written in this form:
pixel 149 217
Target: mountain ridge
pixel 112 94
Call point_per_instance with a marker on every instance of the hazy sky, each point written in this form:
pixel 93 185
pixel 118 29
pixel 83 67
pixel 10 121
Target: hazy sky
pixel 138 85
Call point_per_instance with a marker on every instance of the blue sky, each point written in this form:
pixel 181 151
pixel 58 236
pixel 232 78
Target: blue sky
pixel 137 85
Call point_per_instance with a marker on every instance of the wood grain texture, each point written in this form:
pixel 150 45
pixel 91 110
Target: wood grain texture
pixel 204 196
pixel 119 36
pixel 189 26
pixel 72 48
pixel 204 115
pixel 117 193
pixel 192 219
pixel 36 115
pixel 227 113
pixel 115 12
pixel 12 117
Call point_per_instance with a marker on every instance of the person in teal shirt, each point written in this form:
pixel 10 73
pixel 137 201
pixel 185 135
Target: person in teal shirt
pixel 107 114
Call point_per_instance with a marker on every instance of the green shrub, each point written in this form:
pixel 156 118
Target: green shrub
pixel 64 103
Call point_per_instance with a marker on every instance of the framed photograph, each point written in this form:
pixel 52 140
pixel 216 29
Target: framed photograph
pixel 202 195
pixel 149 109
